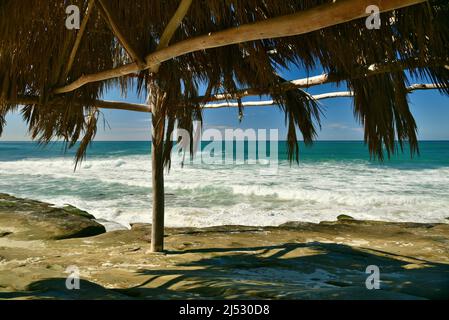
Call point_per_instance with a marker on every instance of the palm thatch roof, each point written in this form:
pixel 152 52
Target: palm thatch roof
pixel 121 41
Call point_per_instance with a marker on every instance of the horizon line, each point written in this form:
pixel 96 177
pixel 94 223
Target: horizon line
pixel 324 140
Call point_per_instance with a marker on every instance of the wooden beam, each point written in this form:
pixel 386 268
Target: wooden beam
pixel 374 69
pixel 102 104
pixel 114 25
pixel 171 28
pixel 174 23
pixel 329 95
pixel 303 22
pixel 340 94
pixel 117 105
pixel 286 86
pixel 428 86
pixel 236 104
pixel 79 36
pixel 411 88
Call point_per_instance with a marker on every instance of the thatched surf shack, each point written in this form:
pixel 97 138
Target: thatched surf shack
pixel 56 76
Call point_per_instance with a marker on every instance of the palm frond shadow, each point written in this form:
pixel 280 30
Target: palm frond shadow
pixel 289 271
pixel 323 271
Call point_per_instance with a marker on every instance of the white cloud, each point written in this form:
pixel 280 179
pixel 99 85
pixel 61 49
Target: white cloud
pixel 341 126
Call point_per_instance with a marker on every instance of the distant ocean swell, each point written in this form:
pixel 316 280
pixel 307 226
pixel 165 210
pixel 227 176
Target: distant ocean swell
pixel 333 178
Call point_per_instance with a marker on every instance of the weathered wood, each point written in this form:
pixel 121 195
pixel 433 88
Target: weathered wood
pixel 102 104
pixel 79 36
pixel 330 95
pixel 323 96
pixel 157 101
pixel 117 105
pixel 114 25
pixel 371 70
pixel 295 24
pixel 286 86
pixel 171 28
pixel 424 86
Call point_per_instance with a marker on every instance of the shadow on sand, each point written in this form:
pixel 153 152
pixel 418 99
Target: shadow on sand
pixel 289 271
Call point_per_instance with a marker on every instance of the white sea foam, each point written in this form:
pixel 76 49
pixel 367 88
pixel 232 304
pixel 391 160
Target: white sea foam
pixel 119 190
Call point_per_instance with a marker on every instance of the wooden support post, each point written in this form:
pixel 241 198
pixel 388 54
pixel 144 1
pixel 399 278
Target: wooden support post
pixel 157 101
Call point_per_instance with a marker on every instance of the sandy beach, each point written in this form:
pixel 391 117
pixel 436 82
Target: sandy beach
pixel 293 261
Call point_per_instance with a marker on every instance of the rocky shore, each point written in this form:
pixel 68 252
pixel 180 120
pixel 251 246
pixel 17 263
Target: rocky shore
pixel 294 261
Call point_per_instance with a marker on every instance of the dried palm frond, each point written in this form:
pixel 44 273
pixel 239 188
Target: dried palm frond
pixel 34 49
pixel 386 117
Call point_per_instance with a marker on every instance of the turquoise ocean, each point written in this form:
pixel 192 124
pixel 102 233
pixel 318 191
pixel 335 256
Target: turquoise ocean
pixel 332 178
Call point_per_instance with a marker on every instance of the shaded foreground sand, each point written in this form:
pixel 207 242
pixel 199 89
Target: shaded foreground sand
pixel 293 261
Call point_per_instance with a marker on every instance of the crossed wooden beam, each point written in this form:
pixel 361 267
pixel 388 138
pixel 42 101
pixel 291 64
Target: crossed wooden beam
pixel 137 107
pixel 306 21
pixel 337 12
pixel 323 16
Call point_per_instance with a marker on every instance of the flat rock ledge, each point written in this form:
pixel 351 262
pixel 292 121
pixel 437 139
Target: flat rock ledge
pixel 23 219
pixel 38 243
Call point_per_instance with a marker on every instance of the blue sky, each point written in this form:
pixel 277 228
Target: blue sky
pixel 430 108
